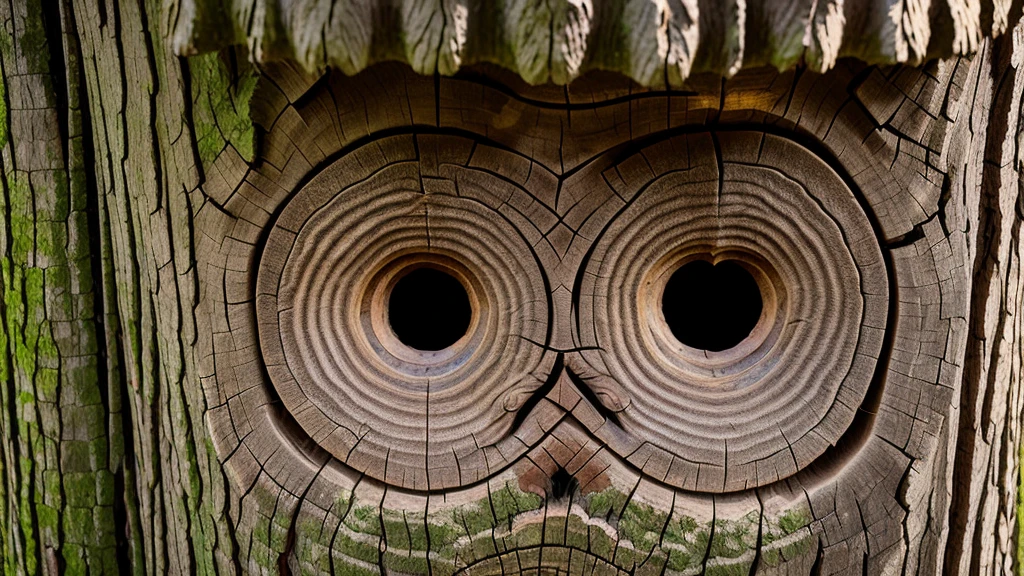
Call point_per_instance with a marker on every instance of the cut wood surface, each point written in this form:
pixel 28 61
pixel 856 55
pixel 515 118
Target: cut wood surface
pixel 201 374
pixel 827 422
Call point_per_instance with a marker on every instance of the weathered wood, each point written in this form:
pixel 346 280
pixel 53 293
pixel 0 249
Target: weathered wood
pixel 654 43
pixel 62 418
pixel 849 498
pixel 200 375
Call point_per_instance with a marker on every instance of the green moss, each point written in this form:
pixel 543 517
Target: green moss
pixel 220 103
pixel 482 547
pixel 689 543
pixel 796 549
pixel 681 560
pixel 601 544
pixel 80 489
pixel 343 568
pixel 770 557
pixel 477 518
pixel 442 537
pixel 32 42
pixel 528 536
pixel 680 529
pixel 626 558
pixel 793 520
pixel 577 535
pixel 357 550
pixel 3 112
pixel 74 559
pixel 510 501
pixel 642 525
pixel 606 503
pixel 398 534
pixel 407 564
pixel 731 540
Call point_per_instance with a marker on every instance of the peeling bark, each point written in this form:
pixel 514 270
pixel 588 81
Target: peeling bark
pixel 654 43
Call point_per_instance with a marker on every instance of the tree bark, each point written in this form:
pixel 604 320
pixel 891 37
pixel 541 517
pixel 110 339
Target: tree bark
pixel 163 219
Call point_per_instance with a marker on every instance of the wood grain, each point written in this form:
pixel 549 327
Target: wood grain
pixel 149 430
pixel 790 452
pixel 654 43
pixel 761 411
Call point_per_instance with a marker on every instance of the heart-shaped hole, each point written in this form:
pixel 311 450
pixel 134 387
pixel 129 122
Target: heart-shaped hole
pixel 711 307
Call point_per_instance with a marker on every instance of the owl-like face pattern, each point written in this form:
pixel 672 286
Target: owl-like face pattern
pixel 571 423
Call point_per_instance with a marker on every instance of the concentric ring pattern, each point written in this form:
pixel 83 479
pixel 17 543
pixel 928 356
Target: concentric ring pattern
pixel 563 426
pixel 412 418
pixel 758 412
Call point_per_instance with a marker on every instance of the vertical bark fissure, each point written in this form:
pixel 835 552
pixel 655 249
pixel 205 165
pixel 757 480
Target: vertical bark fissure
pixel 111 378
pixel 14 537
pixel 15 478
pixel 982 358
pixel 58 77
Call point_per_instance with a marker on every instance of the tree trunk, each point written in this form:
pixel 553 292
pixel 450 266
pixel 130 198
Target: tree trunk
pixel 207 366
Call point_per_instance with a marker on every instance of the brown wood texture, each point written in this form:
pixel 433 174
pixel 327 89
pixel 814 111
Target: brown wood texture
pixel 199 374
pixel 656 43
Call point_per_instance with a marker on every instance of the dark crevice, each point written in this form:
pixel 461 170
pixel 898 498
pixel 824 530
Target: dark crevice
pixel 383 546
pixel 334 536
pixel 588 393
pixel 188 118
pixel 50 14
pixel 984 272
pixel 314 90
pixel 867 538
pixel 711 535
pixel 909 238
pixel 284 568
pixel 563 485
pixel 760 535
pixel 797 75
pixel 129 550
pixel 489 82
pixel 157 491
pixel 816 566
pixel 155 155
pixel 539 393
pixel 437 99
pixel 15 476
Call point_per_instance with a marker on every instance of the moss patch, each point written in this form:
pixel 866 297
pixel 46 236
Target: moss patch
pixel 793 520
pixel 222 86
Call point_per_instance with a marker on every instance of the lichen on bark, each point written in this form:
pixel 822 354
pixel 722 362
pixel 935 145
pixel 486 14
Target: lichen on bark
pixel 222 85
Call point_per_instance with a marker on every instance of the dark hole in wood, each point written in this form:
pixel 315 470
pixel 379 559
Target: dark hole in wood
pixel 562 484
pixel 711 307
pixel 429 309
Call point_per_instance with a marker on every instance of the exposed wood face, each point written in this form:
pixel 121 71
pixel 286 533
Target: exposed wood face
pixel 215 357
pixel 569 427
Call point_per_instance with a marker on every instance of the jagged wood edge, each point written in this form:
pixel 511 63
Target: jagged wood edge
pixel 654 44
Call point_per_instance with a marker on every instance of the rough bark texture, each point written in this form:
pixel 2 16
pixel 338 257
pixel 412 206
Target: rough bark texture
pixel 655 43
pixel 164 219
